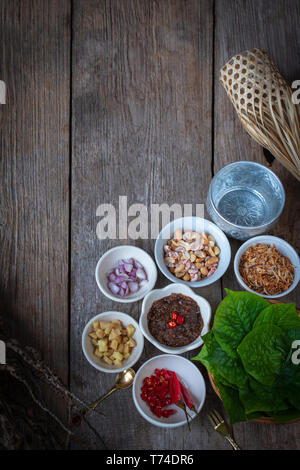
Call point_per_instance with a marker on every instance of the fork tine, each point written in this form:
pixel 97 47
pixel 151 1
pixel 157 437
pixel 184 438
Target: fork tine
pixel 219 417
pixel 212 419
pixel 221 427
pixel 215 418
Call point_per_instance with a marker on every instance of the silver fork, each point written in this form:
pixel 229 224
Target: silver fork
pixel 220 426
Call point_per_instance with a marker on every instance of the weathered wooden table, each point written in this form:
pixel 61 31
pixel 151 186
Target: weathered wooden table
pixel 121 97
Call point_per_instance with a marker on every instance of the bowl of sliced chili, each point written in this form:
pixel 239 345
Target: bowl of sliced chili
pixel 169 391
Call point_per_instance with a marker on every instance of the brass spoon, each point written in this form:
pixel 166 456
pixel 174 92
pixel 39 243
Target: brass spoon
pixel 123 380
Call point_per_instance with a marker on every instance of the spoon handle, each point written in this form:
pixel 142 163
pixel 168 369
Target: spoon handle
pixel 77 419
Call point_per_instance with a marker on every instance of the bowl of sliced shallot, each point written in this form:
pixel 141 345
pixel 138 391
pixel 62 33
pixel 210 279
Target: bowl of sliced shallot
pixel 126 273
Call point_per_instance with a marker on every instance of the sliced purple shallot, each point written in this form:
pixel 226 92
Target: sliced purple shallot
pixel 127 277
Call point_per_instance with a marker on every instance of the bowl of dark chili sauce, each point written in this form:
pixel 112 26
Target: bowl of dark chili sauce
pixel 175 320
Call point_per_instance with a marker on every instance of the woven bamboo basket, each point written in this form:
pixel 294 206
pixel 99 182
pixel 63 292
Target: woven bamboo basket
pixel 263 419
pixel 263 100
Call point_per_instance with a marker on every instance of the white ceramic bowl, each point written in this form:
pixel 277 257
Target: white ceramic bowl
pixel 157 294
pixel 187 373
pixel 196 224
pixel 109 261
pixel 285 248
pixel 88 348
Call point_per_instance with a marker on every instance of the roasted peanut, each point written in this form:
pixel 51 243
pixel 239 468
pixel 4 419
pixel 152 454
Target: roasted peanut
pixel 204 271
pixel 185 245
pixel 191 255
pixel 210 251
pixel 217 250
pixel 212 260
pixel 180 275
pixel 178 234
pixel 179 268
pixel 204 238
pixel 169 260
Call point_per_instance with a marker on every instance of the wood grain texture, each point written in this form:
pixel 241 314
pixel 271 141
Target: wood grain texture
pixel 274 27
pixel 142 98
pixel 147 110
pixel 34 171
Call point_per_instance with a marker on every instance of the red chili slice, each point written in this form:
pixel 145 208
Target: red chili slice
pixel 157 411
pixel 179 320
pixel 174 316
pixel 154 380
pixel 161 390
pixel 171 388
pixel 167 401
pixel 162 394
pixel 167 376
pixel 176 388
pixel 162 386
pixel 148 381
pixel 167 413
pixel 172 324
pixel 186 396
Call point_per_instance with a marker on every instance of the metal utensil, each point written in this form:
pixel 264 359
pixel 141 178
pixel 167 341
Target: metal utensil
pixel 123 380
pixel 220 426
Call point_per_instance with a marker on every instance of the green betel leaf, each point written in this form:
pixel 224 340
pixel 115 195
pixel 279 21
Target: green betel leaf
pixel 263 352
pixel 231 401
pixel 251 356
pixel 293 394
pixel 282 315
pixel 218 362
pixel 235 317
pixel 293 334
pixel 257 397
pixel 289 374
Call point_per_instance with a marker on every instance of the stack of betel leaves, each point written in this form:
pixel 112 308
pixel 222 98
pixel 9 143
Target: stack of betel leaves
pixel 250 352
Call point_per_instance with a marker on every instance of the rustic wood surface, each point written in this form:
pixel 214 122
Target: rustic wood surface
pixel 138 82
pixel 34 175
pixel 272 26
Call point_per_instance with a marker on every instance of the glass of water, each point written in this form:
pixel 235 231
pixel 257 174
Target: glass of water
pixel 245 199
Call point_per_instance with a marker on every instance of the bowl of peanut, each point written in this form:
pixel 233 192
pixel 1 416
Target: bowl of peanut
pixel 112 342
pixel 192 251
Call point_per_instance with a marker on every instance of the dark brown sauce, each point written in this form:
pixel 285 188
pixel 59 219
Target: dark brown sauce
pixel 160 314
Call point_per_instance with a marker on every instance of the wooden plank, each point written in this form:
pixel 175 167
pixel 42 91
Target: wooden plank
pixel 274 27
pixel 34 169
pixel 142 97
